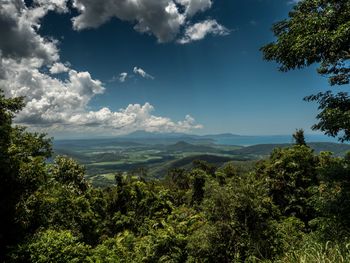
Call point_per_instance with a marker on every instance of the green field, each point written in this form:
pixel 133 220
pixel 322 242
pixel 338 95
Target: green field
pixel 103 158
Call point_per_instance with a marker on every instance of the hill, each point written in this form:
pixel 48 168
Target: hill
pixel 265 149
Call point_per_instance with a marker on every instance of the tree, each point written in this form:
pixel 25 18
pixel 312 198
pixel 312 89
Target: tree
pixel 67 171
pixel 22 168
pixel 52 246
pixel 334 118
pixel 290 172
pixel 318 31
pixel 198 184
pixel 299 137
pixel 238 222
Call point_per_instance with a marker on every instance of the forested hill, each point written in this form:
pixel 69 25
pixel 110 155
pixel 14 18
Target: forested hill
pixel 265 149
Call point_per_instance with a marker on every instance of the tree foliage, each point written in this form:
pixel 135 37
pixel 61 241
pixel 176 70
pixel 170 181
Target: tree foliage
pixel 50 213
pixel 334 118
pixel 299 137
pixel 318 31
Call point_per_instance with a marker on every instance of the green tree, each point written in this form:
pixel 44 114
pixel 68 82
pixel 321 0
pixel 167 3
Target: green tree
pixel 331 197
pixel 64 201
pixel 290 173
pixel 317 31
pixel 52 246
pixel 299 137
pixel 22 166
pixel 239 222
pixel 67 171
pixel 199 178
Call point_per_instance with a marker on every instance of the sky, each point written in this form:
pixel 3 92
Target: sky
pixel 104 68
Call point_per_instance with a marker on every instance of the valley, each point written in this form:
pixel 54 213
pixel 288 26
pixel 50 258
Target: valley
pixel 151 156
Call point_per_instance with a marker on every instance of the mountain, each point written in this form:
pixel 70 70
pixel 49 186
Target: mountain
pixel 224 138
pixel 139 138
pixel 265 149
pixel 153 135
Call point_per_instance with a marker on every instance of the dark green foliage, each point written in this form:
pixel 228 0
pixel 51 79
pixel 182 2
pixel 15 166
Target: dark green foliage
pixel 293 196
pixel 52 246
pixel 204 166
pixel 290 172
pixel 201 214
pixel 299 137
pixel 318 31
pixel 239 222
pixel 334 118
pixel 199 177
pixel 68 172
pixel 22 169
pixel 331 198
pixel 132 202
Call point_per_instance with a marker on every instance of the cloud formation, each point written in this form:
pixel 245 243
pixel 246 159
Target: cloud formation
pixel 54 104
pixel 58 68
pixel 200 30
pixel 18 36
pixel 142 73
pixel 123 76
pixel 162 18
pixel 194 6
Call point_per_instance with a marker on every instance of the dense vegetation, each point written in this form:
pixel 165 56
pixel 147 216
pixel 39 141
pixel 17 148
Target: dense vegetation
pixel 293 207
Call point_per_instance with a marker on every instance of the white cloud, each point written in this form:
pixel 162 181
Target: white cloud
pixel 142 73
pixel 134 117
pixel 159 17
pixel 194 6
pixel 54 104
pixel 58 67
pixel 200 30
pixel 164 19
pixel 60 104
pixel 18 36
pixel 123 76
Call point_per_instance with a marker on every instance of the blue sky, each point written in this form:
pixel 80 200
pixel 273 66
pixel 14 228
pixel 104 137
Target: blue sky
pixel 220 80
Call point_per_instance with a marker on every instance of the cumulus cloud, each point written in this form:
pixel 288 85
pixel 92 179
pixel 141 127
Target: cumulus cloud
pixel 54 104
pixel 134 117
pixel 162 18
pixel 49 100
pixel 142 73
pixel 159 17
pixel 194 6
pixel 58 67
pixel 18 36
pixel 200 30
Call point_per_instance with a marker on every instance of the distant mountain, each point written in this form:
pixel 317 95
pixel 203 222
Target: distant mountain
pixel 265 149
pixel 150 138
pixel 153 135
pixel 221 136
pixel 224 138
